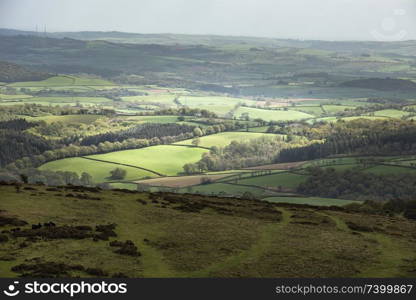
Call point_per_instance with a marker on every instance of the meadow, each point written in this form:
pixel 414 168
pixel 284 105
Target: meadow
pixel 100 171
pixel 164 159
pixel 272 115
pixel 285 180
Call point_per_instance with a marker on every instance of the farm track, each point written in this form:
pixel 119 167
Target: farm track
pixel 126 165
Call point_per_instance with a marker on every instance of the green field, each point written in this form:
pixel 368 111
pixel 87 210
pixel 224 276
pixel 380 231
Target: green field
pixel 391 113
pixel 59 81
pixel 335 119
pixel 313 110
pixel 152 119
pixel 164 159
pixel 333 109
pixel 67 119
pixel 389 170
pixel 72 101
pixel 272 115
pixel 225 138
pixel 226 189
pixel 166 99
pixel 310 201
pixel 99 171
pixel 261 129
pixel 193 101
pixel 13 97
pixel 285 180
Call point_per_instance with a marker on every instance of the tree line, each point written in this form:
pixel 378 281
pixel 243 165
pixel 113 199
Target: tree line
pixel 238 155
pixel 353 184
pixel 363 137
pixel 143 131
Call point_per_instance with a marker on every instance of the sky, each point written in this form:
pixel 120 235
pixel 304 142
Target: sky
pixel 389 20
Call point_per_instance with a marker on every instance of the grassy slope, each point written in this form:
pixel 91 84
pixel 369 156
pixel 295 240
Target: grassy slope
pixel 253 239
pixel 100 171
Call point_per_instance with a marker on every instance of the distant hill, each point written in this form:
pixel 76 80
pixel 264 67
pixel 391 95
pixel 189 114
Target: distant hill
pixel 406 48
pixel 386 84
pixel 13 73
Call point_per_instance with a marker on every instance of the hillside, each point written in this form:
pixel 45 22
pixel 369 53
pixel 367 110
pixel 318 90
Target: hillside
pixel 13 73
pixel 237 66
pixel 382 84
pixel 90 232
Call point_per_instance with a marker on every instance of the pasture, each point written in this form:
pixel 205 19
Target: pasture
pixel 100 171
pixel 391 113
pixel 67 119
pixel 284 180
pixel 333 109
pixel 272 115
pixel 164 98
pixel 312 110
pixel 310 201
pixel 390 170
pixel 164 159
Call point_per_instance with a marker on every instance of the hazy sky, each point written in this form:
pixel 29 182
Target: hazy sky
pixel 302 19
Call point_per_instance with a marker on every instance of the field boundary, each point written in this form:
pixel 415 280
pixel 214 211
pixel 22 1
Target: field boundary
pixel 126 165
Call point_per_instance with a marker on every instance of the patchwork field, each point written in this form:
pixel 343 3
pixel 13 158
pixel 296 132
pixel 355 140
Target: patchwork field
pixel 164 159
pixel 391 113
pixel 100 171
pixel 284 180
pixel 272 115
